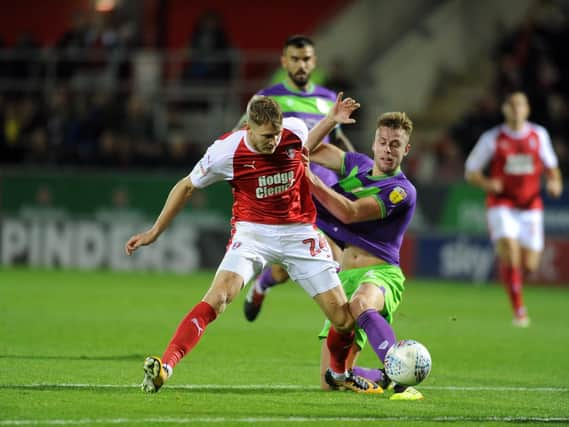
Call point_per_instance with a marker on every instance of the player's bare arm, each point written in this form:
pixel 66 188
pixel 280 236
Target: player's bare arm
pixel 553 182
pixel 177 199
pixel 339 114
pixel 489 185
pixel 346 210
pixel 329 156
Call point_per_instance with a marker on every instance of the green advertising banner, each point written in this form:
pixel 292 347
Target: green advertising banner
pixel 464 210
pixel 71 220
pixel 86 194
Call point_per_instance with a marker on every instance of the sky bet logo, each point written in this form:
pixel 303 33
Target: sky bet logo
pixel 274 184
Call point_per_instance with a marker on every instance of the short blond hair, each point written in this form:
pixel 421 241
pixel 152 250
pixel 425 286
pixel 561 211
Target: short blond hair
pixel 262 110
pixel 396 120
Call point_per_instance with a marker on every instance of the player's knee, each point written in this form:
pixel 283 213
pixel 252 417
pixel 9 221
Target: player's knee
pixel 224 290
pixel 504 254
pixel 218 301
pixel 508 251
pixel 369 298
pixel 343 324
pixel 531 267
pixel 358 305
pixel 531 260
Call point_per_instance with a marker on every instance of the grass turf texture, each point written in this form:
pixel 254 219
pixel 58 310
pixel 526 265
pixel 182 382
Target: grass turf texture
pixel 72 346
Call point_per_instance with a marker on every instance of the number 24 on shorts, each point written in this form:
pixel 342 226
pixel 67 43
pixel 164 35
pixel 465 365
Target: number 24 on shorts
pixel 317 246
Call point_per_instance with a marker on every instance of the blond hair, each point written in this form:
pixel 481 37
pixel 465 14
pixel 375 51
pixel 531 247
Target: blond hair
pixel 262 110
pixel 396 120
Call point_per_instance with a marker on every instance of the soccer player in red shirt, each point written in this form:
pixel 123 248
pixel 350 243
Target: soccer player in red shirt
pixel 298 97
pixel 273 222
pixel 516 153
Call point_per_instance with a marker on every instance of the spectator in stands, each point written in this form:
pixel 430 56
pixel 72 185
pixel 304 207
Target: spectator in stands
pixel 25 64
pixel 70 48
pixel 138 131
pixel 83 130
pixel 12 150
pixel 21 117
pixel 38 152
pixel 112 152
pixel 180 151
pixel 210 51
pixel 4 70
pixel 58 119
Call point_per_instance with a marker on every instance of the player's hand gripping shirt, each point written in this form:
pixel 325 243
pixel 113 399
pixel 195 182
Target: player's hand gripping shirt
pixel 517 159
pixel 267 188
pixel 396 197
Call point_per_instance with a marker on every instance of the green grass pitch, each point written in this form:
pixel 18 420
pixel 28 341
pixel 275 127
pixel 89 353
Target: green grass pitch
pixel 72 346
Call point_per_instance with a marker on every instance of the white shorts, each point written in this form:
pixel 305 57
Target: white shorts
pixel 524 225
pixel 299 248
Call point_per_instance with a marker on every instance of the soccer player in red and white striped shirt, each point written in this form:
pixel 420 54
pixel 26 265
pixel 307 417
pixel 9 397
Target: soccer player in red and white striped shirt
pixel 517 154
pixel 273 222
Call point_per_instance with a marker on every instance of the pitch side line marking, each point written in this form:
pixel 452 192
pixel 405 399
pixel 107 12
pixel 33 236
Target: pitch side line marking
pixel 259 420
pixel 273 387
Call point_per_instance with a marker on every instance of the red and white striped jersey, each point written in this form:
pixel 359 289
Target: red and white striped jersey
pixel 267 188
pixel 518 160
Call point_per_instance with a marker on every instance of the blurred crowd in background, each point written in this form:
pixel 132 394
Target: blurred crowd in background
pixel 75 103
pixel 531 59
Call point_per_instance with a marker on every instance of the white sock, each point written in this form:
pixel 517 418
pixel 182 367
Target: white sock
pixel 169 370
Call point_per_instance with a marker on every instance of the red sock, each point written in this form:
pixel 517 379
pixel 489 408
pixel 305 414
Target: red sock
pixel 189 332
pixel 512 279
pixel 339 346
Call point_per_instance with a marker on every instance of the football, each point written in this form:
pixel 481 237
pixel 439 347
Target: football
pixel 408 362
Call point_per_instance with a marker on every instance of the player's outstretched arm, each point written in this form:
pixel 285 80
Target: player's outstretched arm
pixel 339 114
pixel 329 156
pixel 178 197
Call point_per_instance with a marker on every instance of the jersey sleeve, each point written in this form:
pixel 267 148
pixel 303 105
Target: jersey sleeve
pixel 482 152
pixel 396 198
pixel 297 126
pixel 216 165
pixel 546 152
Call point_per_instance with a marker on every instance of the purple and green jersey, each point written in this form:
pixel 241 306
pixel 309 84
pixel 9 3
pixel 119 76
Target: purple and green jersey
pixel 396 197
pixel 310 106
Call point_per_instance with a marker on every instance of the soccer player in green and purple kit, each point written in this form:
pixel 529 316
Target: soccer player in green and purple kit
pixel 298 97
pixel 367 213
